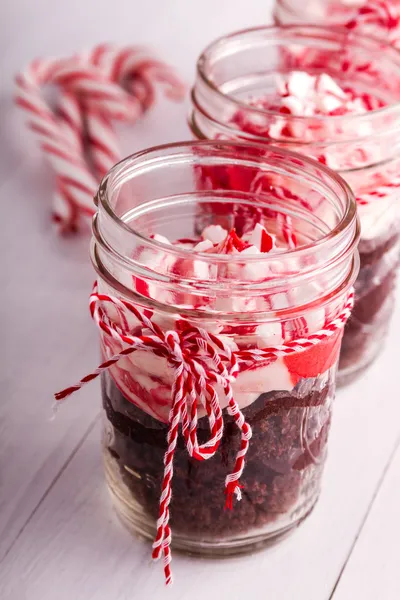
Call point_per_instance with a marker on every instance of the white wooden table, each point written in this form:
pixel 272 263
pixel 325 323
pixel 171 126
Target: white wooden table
pixel 59 538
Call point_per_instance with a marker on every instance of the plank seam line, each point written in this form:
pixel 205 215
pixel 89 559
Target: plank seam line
pixel 367 513
pixel 51 485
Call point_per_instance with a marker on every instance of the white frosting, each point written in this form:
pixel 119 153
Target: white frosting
pixel 146 379
pixel 269 334
pixel 250 384
pixel 142 367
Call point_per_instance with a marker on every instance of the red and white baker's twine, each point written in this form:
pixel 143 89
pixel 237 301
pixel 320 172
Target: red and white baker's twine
pixel 104 85
pixel 200 361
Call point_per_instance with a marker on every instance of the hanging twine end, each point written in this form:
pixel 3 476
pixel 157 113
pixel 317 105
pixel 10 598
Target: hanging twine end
pixel 54 410
pixel 65 393
pixel 59 397
pixel 233 488
pixel 156 553
pixel 59 401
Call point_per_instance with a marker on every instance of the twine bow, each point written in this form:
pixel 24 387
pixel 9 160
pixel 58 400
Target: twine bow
pixel 104 85
pixel 200 361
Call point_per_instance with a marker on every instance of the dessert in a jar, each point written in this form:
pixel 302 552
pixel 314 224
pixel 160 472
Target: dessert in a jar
pixel 331 97
pixel 378 18
pixel 220 347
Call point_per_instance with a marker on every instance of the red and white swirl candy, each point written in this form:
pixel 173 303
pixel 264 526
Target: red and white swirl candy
pixel 76 133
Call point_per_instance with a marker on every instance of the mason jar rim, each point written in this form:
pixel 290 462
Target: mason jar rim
pixel 285 5
pixel 348 223
pixel 366 42
pixel 102 195
pixel 288 7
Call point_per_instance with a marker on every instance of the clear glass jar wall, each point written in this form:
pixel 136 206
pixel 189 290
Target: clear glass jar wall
pixel 235 76
pixel 150 211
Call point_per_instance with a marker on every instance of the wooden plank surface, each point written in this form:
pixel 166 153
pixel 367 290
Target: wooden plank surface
pixel 59 538
pixel 373 569
pixel 75 541
pixel 44 279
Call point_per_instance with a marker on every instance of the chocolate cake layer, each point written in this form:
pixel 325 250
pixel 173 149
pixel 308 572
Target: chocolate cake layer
pixel 283 464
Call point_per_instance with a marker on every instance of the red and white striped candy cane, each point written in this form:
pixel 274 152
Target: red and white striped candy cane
pixel 104 85
pixel 201 361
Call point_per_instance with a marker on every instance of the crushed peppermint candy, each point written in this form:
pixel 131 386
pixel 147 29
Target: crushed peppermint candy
pixel 217 240
pixel 304 108
pixel 303 95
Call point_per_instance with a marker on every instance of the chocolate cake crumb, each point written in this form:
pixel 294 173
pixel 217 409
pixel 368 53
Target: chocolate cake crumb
pixel 289 442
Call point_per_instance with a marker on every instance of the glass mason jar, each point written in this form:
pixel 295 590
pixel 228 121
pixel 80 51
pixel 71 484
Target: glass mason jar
pixel 237 70
pixel 142 250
